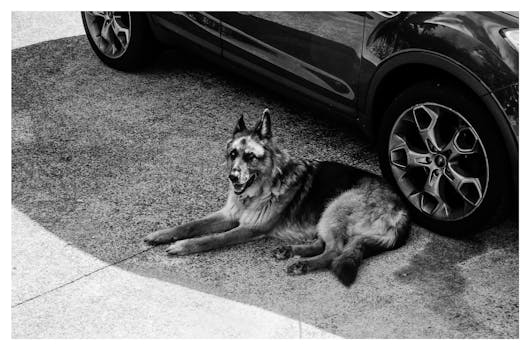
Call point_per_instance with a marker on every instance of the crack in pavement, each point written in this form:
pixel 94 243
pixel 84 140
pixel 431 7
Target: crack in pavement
pixel 81 277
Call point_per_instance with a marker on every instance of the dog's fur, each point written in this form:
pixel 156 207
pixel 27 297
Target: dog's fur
pixel 348 213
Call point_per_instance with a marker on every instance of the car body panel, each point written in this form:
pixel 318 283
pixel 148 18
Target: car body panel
pixel 311 55
pixel 202 29
pixel 472 39
pixel 318 51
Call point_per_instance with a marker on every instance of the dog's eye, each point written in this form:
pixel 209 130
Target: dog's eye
pixel 233 154
pixel 248 157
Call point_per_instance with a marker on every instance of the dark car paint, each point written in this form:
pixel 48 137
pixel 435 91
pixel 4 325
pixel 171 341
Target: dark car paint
pixel 470 38
pixel 202 29
pixel 311 55
pixel 467 45
pixel 324 59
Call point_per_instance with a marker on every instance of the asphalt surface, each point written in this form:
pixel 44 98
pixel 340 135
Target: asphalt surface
pixel 100 158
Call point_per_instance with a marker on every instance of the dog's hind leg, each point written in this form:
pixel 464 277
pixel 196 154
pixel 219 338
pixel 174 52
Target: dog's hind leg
pixel 305 250
pixel 330 232
pixel 318 262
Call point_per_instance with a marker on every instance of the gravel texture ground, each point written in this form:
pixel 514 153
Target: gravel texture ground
pixel 101 158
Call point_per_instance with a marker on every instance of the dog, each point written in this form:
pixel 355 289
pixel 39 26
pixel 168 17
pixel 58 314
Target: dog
pixel 334 214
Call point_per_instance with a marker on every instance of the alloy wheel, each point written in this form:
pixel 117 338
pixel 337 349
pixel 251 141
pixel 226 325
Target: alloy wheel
pixel 110 31
pixel 438 161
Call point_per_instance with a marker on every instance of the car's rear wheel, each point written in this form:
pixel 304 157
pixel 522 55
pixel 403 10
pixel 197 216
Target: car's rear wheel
pixel 121 40
pixel 440 149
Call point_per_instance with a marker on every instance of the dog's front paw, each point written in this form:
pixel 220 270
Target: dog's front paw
pixel 283 252
pixel 179 248
pixel 297 268
pixel 159 237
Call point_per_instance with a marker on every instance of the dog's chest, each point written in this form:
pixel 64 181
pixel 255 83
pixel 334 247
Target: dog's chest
pixel 259 214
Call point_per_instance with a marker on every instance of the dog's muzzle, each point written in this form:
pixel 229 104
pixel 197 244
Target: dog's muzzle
pixel 239 188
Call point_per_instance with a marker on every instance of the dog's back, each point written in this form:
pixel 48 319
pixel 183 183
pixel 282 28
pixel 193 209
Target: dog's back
pixel 315 186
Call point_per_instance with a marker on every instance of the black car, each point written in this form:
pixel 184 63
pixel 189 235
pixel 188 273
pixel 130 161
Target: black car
pixel 437 91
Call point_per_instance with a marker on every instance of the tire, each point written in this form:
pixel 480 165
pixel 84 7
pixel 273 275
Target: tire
pixel 139 45
pixel 463 185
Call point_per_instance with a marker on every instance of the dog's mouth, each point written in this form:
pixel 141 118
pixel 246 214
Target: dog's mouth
pixel 240 188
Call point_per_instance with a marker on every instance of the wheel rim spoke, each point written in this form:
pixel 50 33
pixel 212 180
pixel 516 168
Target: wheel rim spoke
pixel 442 210
pixel 412 158
pixel 469 188
pixel 425 119
pixel 432 185
pixel 121 33
pixel 463 142
pixel 110 31
pixel 416 198
pixel 416 159
pixel 105 31
pixel 432 188
pixel 97 13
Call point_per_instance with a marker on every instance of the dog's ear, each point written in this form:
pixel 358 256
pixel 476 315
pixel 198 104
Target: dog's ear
pixel 263 127
pixel 240 126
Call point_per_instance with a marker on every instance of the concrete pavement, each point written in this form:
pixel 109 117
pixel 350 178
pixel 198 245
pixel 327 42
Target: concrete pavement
pixel 61 292
pixel 33 27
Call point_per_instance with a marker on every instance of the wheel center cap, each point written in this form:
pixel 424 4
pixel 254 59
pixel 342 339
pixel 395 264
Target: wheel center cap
pixel 440 160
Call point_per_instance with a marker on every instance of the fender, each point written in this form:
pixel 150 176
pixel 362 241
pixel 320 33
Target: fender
pixel 426 58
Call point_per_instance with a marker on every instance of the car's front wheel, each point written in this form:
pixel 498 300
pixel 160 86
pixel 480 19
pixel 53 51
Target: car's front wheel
pixel 440 149
pixel 121 40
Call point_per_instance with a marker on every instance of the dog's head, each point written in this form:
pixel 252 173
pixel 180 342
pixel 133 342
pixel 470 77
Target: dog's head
pixel 249 155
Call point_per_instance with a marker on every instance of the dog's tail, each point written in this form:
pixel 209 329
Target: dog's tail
pixel 346 265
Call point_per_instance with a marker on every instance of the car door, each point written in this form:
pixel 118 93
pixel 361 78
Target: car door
pixel 200 28
pixel 315 53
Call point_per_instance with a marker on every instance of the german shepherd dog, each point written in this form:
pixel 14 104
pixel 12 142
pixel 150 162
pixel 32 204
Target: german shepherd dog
pixel 346 213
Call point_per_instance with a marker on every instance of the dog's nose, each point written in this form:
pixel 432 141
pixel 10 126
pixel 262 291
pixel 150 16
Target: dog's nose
pixel 233 178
